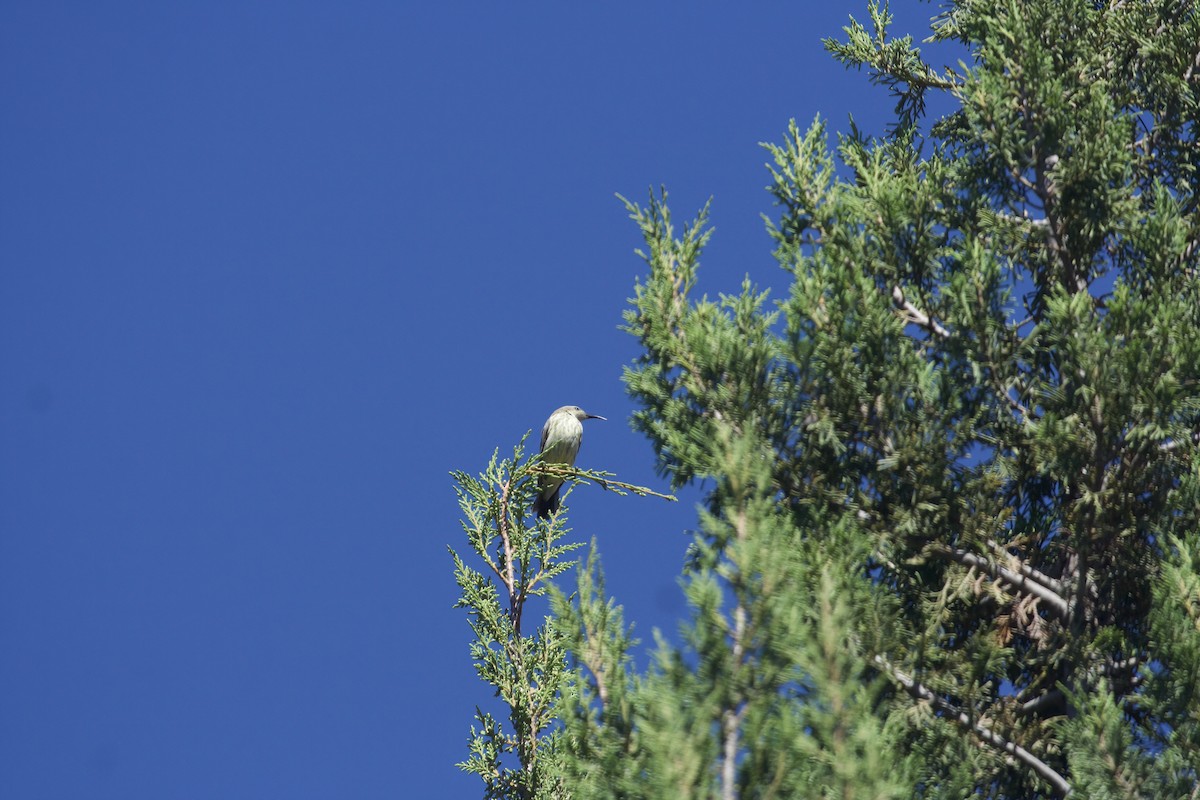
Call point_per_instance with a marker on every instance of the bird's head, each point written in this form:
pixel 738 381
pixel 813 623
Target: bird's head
pixel 578 413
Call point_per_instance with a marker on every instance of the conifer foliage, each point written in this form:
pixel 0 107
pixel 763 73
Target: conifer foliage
pixel 950 543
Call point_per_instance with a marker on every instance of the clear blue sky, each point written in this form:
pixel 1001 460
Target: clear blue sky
pixel 268 271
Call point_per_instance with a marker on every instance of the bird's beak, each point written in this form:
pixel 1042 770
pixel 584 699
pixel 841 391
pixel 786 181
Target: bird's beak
pixel 597 416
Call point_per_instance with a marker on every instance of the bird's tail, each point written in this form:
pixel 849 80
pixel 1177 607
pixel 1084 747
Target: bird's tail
pixel 545 506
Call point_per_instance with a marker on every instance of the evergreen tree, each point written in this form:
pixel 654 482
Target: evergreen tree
pixel 950 541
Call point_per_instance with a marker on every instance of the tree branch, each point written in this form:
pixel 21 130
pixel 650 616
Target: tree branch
pixel 508 574
pixel 920 692
pixel 1024 219
pixel 1052 584
pixel 602 479
pixel 1052 698
pixel 1016 580
pixel 731 718
pixel 916 315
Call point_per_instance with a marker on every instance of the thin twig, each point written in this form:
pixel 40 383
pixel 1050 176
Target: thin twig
pixel 1016 405
pixel 600 478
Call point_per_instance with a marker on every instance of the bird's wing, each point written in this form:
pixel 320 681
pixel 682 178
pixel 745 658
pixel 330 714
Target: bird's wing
pixel 545 433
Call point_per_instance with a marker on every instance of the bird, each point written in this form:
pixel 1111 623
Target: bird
pixel 561 436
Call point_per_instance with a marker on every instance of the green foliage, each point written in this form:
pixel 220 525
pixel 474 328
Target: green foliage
pixel 949 542
pixel 772 693
pixel 525 670
pixel 521 556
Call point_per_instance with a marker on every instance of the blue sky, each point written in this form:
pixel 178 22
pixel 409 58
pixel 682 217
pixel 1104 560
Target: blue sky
pixel 269 272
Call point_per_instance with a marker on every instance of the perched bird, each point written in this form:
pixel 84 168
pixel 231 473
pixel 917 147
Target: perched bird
pixel 561 436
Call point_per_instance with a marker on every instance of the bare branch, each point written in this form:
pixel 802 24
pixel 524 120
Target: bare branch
pixel 730 727
pixel 1016 580
pixel 1054 697
pixel 1024 219
pixel 1053 584
pixel 920 692
pixel 916 315
pixel 1192 68
pixel 731 718
pixel 1015 405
